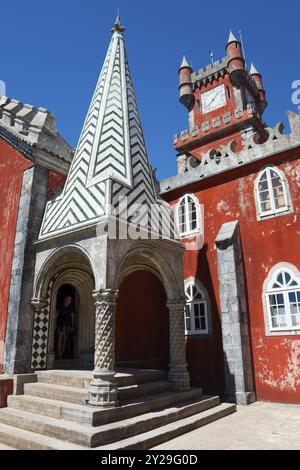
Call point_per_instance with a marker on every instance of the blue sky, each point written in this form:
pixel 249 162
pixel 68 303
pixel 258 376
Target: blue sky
pixel 52 53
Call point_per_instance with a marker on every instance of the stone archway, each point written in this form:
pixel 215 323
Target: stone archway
pixel 142 322
pixel 67 266
pixel 82 282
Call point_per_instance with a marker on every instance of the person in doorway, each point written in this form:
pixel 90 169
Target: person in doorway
pixel 65 324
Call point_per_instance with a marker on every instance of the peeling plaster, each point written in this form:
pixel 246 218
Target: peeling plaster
pixel 285 377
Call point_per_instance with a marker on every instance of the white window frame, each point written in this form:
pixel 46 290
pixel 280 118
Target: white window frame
pixel 290 329
pixel 193 283
pixel 188 232
pixel 273 211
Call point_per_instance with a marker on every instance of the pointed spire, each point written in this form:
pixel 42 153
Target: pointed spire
pixel 117 27
pixel 111 157
pixel 231 38
pixel 184 63
pixel 253 70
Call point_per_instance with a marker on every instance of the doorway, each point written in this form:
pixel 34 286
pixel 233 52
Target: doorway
pixel 142 323
pixel 65 343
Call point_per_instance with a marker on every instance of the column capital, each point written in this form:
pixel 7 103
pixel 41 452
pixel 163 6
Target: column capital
pixel 38 303
pixel 106 295
pixel 176 304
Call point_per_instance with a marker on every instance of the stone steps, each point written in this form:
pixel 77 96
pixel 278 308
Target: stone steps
pixel 57 392
pixel 89 436
pixel 53 414
pixel 4 447
pixel 79 395
pixel 165 433
pixel 26 440
pixel 81 379
pixel 97 416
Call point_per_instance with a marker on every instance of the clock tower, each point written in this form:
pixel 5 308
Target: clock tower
pixel 224 101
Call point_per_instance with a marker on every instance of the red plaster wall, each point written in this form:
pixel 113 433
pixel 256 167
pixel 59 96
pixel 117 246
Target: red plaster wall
pixel 265 243
pixel 6 388
pixel 56 182
pixel 12 166
pixel 142 323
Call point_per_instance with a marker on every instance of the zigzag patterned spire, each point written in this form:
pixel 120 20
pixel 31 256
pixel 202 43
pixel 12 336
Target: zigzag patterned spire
pixel 111 158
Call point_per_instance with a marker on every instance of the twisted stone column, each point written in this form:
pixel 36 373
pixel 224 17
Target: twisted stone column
pixel 103 389
pixel 178 373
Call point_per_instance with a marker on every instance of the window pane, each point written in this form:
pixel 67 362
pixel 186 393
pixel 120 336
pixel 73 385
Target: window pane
pixel 294 299
pixel 188 317
pixel 277 310
pixel 199 315
pixel 266 205
pixel 182 217
pixel 193 225
pixel 296 320
pixel 280 201
pixel 194 291
pixel 263 185
pixel 189 292
pixel 263 176
pixel 202 310
pixel 287 277
pixel 264 196
pixel 197 323
pixel 280 278
pixel 203 323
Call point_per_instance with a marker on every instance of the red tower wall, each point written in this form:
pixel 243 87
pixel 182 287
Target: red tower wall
pixel 229 197
pixel 12 166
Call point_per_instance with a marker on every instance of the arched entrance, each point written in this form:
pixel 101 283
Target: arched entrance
pixel 142 322
pixel 66 272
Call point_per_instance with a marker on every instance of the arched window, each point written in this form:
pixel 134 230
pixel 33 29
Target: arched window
pixel 283 301
pixel 271 192
pixel 188 215
pixel 196 321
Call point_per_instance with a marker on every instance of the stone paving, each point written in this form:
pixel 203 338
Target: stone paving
pixel 260 426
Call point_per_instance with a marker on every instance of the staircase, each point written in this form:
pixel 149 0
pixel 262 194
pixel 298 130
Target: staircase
pixel 52 413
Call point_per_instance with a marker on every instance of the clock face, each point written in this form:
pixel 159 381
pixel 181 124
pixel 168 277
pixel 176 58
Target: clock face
pixel 213 99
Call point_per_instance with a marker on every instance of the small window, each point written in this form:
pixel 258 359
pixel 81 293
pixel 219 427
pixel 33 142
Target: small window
pixel 271 193
pixel 196 310
pixel 228 92
pixel 188 215
pixel 283 301
pixel 198 106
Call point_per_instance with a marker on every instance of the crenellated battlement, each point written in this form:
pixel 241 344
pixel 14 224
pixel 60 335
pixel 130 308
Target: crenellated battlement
pixel 33 126
pixel 224 158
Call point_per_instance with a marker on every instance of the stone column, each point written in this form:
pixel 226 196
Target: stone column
pixel 103 389
pixel 38 305
pixel 178 373
pixel 235 327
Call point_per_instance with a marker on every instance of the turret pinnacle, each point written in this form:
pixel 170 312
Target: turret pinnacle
pixel 231 38
pixel 117 27
pixel 253 70
pixel 184 63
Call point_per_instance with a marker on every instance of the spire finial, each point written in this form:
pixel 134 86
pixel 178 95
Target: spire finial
pixel 231 38
pixel 184 63
pixel 253 70
pixel 117 27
